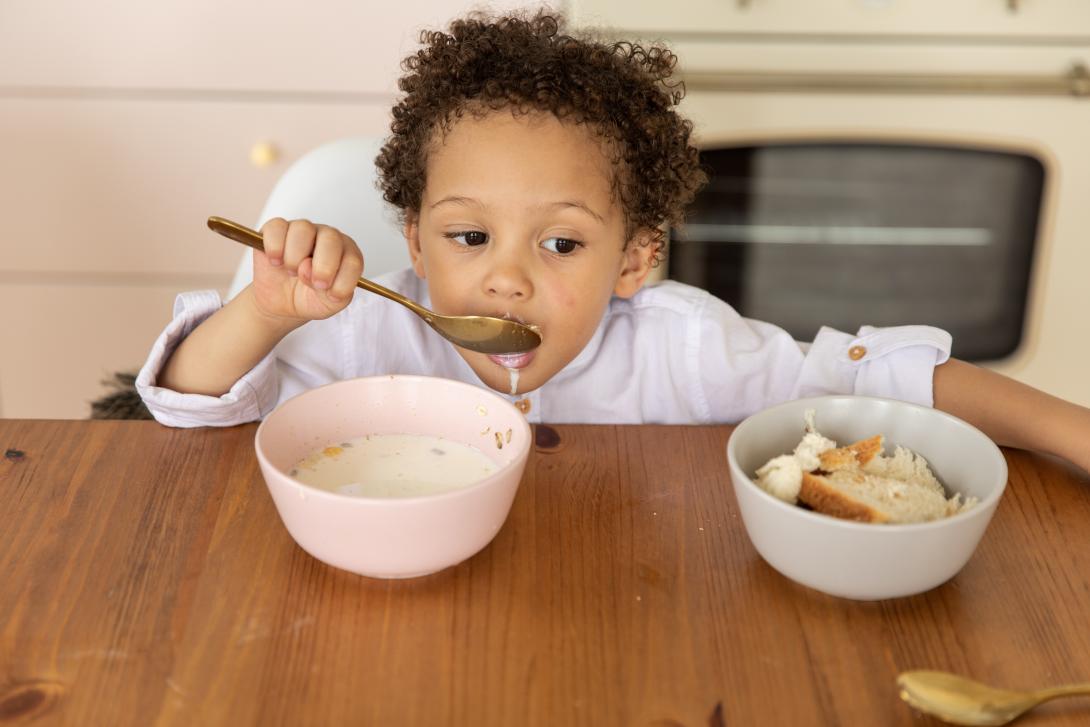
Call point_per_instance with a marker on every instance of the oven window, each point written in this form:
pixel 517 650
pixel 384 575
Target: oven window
pixel 846 234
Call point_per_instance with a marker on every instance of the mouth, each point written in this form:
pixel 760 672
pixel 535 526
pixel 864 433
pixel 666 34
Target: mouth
pixel 515 360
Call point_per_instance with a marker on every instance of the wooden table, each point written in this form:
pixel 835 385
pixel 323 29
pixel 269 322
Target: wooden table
pixel 147 579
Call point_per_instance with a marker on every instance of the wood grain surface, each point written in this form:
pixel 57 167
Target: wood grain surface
pixel 147 579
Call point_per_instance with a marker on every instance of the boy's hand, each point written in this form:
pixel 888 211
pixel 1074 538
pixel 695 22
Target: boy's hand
pixel 307 272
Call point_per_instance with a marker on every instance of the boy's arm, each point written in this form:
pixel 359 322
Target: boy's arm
pixel 1012 413
pixel 225 346
pixel 307 272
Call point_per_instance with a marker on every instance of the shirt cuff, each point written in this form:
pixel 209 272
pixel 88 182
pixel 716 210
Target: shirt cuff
pixel 896 362
pixel 252 396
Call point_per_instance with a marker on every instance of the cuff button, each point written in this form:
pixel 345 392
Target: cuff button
pixel 857 352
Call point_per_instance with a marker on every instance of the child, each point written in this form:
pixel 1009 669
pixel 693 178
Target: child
pixel 534 172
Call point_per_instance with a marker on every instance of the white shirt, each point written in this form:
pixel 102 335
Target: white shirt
pixel 672 354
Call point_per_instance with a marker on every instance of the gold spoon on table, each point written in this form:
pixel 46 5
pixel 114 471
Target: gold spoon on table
pixel 477 333
pixel 963 701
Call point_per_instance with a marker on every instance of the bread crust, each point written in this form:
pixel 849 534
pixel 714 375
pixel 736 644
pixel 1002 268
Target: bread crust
pixel 867 449
pixel 851 456
pixel 821 496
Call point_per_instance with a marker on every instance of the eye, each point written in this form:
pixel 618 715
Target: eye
pixel 561 245
pixel 470 238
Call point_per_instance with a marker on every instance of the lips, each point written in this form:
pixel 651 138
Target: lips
pixel 513 360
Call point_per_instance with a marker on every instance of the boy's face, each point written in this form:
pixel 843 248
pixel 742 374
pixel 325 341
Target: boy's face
pixel 518 220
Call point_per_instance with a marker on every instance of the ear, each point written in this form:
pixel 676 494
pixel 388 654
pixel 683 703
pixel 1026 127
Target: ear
pixel 412 239
pixel 639 254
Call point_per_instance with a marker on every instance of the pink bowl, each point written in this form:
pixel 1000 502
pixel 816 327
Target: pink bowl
pixel 393 537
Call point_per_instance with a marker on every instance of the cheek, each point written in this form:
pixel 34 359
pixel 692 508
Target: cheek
pixel 593 289
pixel 446 290
pixel 564 304
pixel 578 286
pixel 564 298
pixel 577 308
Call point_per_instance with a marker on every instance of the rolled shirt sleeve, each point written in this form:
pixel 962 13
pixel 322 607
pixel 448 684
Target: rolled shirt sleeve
pixel 744 365
pixel 897 362
pixel 249 399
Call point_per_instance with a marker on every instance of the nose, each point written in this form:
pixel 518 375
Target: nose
pixel 508 279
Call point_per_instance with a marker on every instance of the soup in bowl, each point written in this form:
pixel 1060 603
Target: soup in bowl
pixel 393 476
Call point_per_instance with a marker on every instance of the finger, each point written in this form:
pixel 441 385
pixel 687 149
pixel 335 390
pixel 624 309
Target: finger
pixel 350 271
pixel 273 233
pixel 299 244
pixel 328 251
pixel 304 271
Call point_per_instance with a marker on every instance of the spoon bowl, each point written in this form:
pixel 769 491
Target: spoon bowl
pixel 958 700
pixel 477 333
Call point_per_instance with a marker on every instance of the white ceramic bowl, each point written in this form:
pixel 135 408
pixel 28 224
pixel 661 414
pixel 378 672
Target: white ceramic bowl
pixel 860 560
pixel 393 537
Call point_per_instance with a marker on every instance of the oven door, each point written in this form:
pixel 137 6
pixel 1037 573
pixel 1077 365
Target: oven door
pixel 886 208
pixel 806 234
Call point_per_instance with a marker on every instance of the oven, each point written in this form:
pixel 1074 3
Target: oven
pixel 864 184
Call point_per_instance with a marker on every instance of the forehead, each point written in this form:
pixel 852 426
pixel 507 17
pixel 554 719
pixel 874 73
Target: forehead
pixel 527 154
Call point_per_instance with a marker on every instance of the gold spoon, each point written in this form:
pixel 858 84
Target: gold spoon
pixel 477 333
pixel 963 701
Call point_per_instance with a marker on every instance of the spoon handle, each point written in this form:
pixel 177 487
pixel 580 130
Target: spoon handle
pixel 1065 690
pixel 252 238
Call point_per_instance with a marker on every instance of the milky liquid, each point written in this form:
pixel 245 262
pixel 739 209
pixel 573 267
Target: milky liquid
pixel 514 373
pixel 394 465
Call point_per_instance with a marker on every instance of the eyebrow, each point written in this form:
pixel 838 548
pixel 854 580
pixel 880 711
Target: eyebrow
pixel 565 204
pixel 578 205
pixel 454 199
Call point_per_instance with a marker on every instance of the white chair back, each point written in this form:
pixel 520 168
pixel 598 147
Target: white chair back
pixel 334 185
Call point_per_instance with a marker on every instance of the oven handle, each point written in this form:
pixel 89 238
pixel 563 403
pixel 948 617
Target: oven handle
pixel 1075 82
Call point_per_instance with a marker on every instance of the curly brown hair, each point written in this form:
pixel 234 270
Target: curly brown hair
pixel 526 64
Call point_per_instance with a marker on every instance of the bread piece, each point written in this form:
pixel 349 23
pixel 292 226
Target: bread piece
pixel 904 464
pixel 839 494
pixel 858 482
pixel 852 456
pixel 871 498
